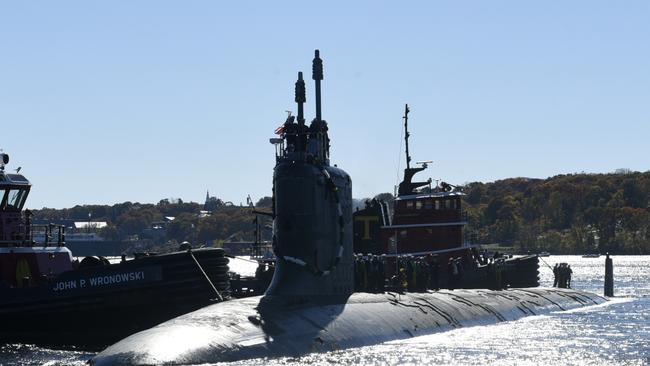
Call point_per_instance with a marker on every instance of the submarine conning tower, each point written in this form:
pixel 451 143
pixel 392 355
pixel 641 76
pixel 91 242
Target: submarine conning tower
pixel 312 208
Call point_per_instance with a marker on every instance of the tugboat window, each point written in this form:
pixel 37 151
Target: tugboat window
pixel 3 200
pixel 437 204
pixel 418 204
pixel 409 204
pixel 15 199
pixel 428 204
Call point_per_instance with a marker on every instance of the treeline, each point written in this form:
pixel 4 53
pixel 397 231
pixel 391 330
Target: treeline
pixel 197 223
pixel 565 214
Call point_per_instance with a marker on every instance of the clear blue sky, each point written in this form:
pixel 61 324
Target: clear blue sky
pixel 104 102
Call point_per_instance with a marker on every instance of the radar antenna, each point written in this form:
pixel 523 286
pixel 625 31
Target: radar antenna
pixel 4 160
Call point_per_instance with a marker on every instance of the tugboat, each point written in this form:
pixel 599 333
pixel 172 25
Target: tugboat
pixel 427 225
pixel 48 298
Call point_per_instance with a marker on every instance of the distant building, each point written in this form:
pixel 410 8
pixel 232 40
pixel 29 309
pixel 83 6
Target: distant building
pixel 212 203
pixel 157 231
pixel 82 237
pixel 68 224
pixel 89 225
pixel 239 248
pixel 73 228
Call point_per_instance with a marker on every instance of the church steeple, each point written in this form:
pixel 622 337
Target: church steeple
pixel 207 200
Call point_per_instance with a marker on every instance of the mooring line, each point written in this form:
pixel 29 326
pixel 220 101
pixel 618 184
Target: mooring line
pixel 206 276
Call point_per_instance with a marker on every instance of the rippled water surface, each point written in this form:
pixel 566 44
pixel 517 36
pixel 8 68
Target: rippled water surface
pixel 617 333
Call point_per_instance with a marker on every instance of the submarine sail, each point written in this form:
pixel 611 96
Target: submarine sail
pixel 312 205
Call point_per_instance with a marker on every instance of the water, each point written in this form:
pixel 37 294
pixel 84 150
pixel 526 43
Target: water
pixel 617 333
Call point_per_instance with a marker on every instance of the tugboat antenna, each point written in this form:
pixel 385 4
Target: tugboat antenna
pixel 406 135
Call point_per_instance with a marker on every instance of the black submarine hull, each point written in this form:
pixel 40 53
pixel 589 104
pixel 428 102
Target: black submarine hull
pixel 274 326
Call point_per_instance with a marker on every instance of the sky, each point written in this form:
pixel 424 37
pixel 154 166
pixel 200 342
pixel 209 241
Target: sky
pixel 110 101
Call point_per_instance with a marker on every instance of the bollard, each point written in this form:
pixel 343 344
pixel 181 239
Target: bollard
pixel 609 277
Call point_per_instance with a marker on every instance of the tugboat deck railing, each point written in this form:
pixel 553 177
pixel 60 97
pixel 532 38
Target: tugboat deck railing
pixel 432 224
pixel 49 235
pixel 423 218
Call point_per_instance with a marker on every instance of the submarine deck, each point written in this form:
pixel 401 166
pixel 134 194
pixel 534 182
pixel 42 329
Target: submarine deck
pixel 271 327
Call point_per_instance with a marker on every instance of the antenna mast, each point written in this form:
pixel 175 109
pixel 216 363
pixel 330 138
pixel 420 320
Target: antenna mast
pixel 406 135
pixel 300 99
pixel 317 75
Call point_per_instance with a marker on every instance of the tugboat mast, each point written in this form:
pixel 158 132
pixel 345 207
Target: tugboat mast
pixel 406 135
pixel 407 186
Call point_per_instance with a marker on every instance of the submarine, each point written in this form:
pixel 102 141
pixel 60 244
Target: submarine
pixel 310 305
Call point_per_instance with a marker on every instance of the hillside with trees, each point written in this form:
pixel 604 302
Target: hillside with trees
pixel 570 214
pixel 565 214
pixel 162 226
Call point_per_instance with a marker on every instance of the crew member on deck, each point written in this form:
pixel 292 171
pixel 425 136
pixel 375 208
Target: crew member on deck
pixel 434 268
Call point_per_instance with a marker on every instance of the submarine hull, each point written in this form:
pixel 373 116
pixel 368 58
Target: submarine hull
pixel 274 327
